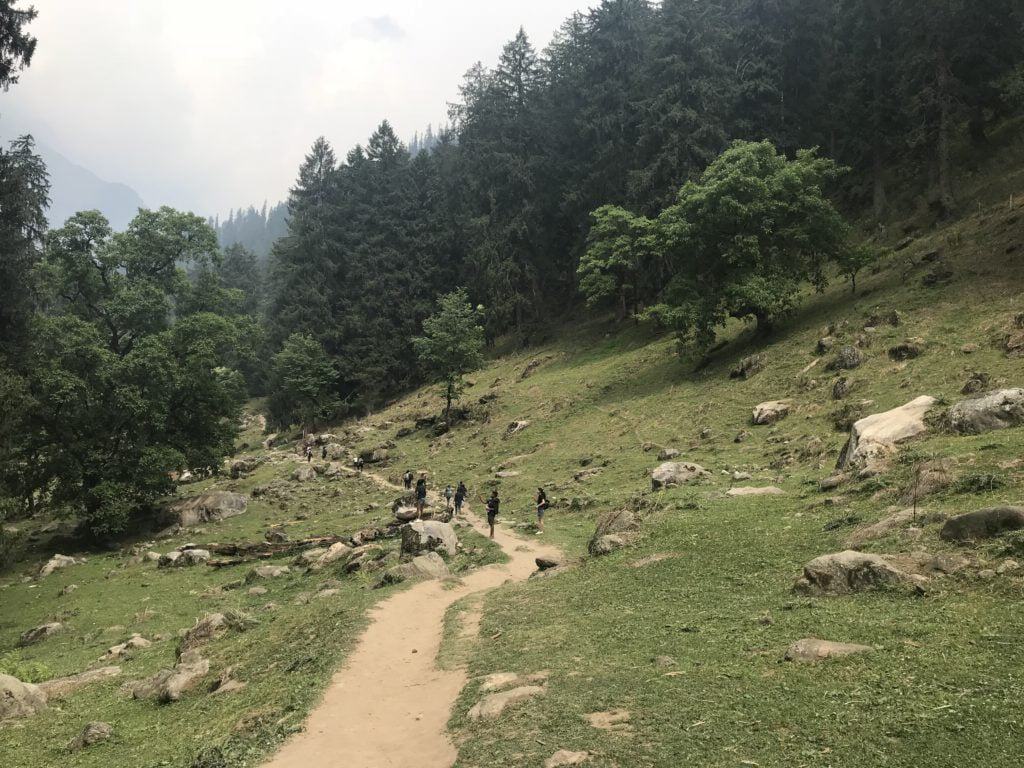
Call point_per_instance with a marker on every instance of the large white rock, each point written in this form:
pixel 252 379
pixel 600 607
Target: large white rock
pixel 767 491
pixel 428 536
pixel 875 437
pixel 995 410
pixel 55 563
pixel 772 411
pixel 843 573
pixel 208 507
pixel 673 473
pixel 18 699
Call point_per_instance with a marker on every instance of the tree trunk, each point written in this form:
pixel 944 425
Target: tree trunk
pixel 448 402
pixel 622 310
pixel 943 148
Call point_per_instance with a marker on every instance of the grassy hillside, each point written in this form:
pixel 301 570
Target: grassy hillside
pixel 686 629
pixel 943 686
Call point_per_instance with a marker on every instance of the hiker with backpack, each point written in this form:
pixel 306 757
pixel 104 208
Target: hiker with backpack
pixel 323 453
pixel 448 494
pixel 407 479
pixel 542 507
pixel 309 453
pixel 421 493
pixel 492 505
pixel 460 497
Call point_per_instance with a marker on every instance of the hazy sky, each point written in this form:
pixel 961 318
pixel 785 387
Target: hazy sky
pixel 211 104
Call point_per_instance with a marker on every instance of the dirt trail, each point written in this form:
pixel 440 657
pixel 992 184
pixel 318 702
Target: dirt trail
pixel 389 705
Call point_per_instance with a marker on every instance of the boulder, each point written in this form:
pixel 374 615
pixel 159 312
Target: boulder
pixel 605 545
pixel 516 427
pixel 996 410
pixel 771 412
pixel 547 563
pixel 674 473
pixel 491 707
pixel 183 558
pixel 40 633
pixel 841 388
pixel 768 491
pixel 983 524
pixel 875 437
pixel 428 566
pixel 333 554
pixel 62 687
pixel 55 563
pixel 264 572
pixel 667 454
pixel 406 514
pixel 428 535
pixel 212 626
pixel 847 358
pixel 245 465
pixel 133 643
pixel 335 452
pixel 749 366
pixel 93 733
pixel 18 699
pixel 813 649
pixel 907 350
pixel 844 573
pixel 826 344
pixel 506 474
pixel 304 473
pixel 169 685
pixel 208 507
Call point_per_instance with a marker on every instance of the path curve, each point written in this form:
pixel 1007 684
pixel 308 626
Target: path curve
pixel 388 707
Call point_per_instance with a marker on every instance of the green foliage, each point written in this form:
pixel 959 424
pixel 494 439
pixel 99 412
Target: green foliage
pixel 26 671
pixel 452 344
pixel 617 260
pixel 124 383
pixel 739 242
pixel 16 46
pixel 303 383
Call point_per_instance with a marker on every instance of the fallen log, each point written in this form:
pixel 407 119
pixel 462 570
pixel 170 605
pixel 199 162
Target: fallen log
pixel 236 554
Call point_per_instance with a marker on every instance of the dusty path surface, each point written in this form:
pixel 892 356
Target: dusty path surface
pixel 389 705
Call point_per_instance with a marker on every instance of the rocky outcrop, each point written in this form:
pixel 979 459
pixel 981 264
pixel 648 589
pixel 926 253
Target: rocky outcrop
pixel 169 685
pixel 208 507
pixel 335 553
pixel 245 465
pixel 18 699
pixel 847 358
pixel 428 566
pixel 183 558
pixel 62 687
pixel 875 437
pixel 212 626
pixel 614 530
pixel 491 707
pixel 515 428
pixel 983 524
pixel 427 536
pixel 675 473
pixel 121 650
pixel 812 649
pixel 304 473
pixel 55 563
pixel 93 733
pixel 996 410
pixel 771 412
pixel 844 573
pixel 266 572
pixel 749 367
pixel 40 633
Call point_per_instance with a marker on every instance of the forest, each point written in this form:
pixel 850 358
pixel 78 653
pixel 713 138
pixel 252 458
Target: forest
pixel 681 163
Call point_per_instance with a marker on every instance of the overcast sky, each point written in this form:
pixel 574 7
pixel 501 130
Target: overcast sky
pixel 211 104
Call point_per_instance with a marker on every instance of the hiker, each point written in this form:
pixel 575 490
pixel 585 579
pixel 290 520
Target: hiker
pixel 309 453
pixel 323 453
pixel 492 509
pixel 542 506
pixel 460 497
pixel 448 494
pixel 407 479
pixel 359 464
pixel 421 493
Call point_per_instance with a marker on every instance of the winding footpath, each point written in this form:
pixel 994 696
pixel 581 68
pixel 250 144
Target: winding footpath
pixel 388 707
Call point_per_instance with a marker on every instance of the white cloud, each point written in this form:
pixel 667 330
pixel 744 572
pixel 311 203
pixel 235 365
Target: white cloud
pixel 209 105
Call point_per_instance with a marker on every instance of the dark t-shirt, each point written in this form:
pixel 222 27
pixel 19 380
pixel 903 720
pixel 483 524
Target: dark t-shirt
pixel 421 489
pixel 492 507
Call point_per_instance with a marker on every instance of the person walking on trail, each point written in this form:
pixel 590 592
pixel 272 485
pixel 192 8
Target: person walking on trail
pixel 359 464
pixel 492 504
pixel 407 479
pixel 448 494
pixel 323 453
pixel 542 507
pixel 309 453
pixel 460 497
pixel 421 493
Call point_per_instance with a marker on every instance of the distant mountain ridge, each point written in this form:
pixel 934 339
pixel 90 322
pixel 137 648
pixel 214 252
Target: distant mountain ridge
pixel 74 188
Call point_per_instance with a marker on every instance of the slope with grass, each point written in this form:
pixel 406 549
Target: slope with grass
pixel 690 641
